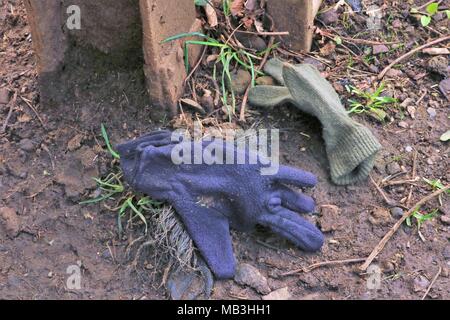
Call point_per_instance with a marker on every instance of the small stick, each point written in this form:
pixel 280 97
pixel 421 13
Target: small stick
pixel 35 111
pixel 380 246
pixel 432 283
pixel 196 66
pixel 11 108
pixel 385 197
pixel 280 33
pixel 410 53
pixel 322 264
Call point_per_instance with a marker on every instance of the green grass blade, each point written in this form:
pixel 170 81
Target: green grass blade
pixel 108 144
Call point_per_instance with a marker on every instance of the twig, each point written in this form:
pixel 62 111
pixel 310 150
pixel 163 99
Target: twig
pixel 414 173
pixel 410 53
pixel 322 264
pixel 35 111
pixel 196 65
pixel 385 197
pixel 11 108
pixel 280 33
pixel 380 246
pixel 432 283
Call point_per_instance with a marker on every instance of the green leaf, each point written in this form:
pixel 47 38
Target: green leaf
pixel 448 14
pixel 446 136
pixel 200 3
pixel 338 40
pixel 108 144
pixel 425 20
pixel 432 8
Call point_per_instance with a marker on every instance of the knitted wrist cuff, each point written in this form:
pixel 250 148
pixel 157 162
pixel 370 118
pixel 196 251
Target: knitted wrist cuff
pixel 353 156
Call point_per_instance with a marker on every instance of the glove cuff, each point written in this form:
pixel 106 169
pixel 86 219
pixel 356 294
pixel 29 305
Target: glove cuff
pixel 352 157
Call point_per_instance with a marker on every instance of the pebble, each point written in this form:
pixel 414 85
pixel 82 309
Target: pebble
pixel 438 64
pixel 420 283
pixel 444 86
pixel 250 276
pixel 408 149
pixel 394 73
pixel 11 221
pixel 4 96
pixel 240 81
pixel 316 63
pixel 445 219
pixel 329 218
pixel 432 113
pixel 397 212
pixel 397 24
pixel 429 161
pixel 26 145
pixel 329 17
pixel 379 48
pixel 280 294
pixel 393 168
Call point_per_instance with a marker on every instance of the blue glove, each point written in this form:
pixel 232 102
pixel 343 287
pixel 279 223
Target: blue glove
pixel 211 198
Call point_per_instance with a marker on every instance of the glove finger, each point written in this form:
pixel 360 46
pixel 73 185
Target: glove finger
pixel 269 96
pixel 155 138
pixel 296 201
pixel 295 177
pixel 274 68
pixel 211 234
pixel 291 226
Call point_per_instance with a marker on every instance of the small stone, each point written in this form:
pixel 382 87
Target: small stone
pixel 445 219
pixel 240 81
pixel 250 276
pixel 444 86
pixel 4 96
pixel 393 168
pixel 412 111
pixel 438 64
pixel 408 149
pixel 420 283
pixel 403 124
pixel 397 212
pixel 316 63
pixel 380 216
pixel 26 145
pixel 11 221
pixel 75 142
pixel 280 294
pixel 446 252
pixel 265 81
pixel 251 41
pixel 50 274
pixel 397 24
pixel 394 73
pixel 430 162
pixel 379 48
pixel 329 17
pixel 432 113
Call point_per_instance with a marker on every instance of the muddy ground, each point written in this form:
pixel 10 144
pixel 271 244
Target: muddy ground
pixel 48 156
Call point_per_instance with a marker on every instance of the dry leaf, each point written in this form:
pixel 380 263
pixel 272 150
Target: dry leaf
pixel 211 15
pixel 237 7
pixel 24 118
pixel 328 49
pixel 193 104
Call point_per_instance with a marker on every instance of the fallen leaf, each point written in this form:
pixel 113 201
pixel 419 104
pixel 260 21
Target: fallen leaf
pixel 193 104
pixel 436 51
pixel 24 118
pixel 237 7
pixel 211 15
pixel 328 49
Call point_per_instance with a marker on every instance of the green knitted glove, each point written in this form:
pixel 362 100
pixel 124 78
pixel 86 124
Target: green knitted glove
pixel 351 148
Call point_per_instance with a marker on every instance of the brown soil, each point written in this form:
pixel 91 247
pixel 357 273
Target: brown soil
pixel 45 172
